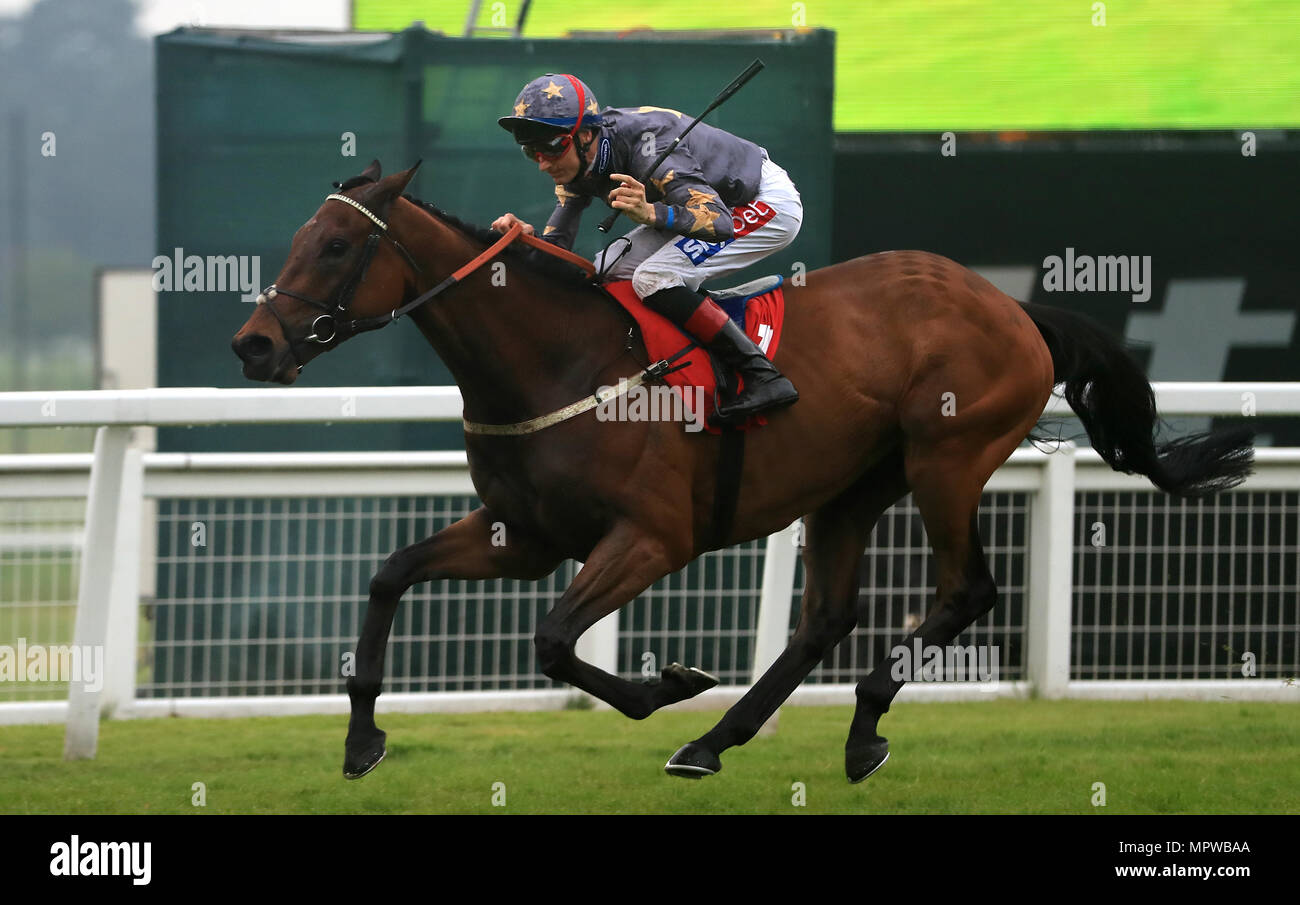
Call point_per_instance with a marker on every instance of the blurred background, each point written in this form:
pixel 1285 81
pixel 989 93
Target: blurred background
pixel 1112 128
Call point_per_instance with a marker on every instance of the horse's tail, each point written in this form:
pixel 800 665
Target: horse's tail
pixel 1114 400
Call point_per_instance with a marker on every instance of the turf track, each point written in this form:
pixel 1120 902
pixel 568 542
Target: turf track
pixel 1163 757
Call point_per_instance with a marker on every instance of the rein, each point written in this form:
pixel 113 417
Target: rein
pixel 340 329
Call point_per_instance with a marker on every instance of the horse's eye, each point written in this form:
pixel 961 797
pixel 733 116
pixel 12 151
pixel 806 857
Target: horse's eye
pixel 336 248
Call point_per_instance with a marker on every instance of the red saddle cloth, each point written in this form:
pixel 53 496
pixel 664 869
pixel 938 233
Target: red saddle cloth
pixel 762 316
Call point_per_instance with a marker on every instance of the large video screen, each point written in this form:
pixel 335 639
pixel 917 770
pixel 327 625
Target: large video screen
pixel 913 65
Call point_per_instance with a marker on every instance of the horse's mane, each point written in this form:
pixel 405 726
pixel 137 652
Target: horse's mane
pixel 535 260
pixel 539 262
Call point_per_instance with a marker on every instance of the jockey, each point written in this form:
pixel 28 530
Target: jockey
pixel 715 205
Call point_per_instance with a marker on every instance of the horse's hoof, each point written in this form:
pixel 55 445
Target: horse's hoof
pixel 360 760
pixel 693 761
pixel 685 682
pixel 860 762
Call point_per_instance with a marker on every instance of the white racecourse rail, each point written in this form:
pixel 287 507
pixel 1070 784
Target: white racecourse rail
pixel 116 478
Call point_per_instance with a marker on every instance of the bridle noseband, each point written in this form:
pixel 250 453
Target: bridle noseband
pixel 332 319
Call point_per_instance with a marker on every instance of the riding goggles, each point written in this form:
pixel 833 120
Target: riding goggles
pixel 550 150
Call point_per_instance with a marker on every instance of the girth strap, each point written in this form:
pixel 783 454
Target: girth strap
pixel 532 425
pixel 726 489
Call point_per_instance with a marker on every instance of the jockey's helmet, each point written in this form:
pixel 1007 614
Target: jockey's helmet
pixel 549 113
pixel 555 102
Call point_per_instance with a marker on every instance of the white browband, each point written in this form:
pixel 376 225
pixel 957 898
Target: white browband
pixel 346 200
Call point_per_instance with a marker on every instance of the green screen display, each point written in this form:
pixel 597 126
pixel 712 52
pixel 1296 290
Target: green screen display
pixel 981 64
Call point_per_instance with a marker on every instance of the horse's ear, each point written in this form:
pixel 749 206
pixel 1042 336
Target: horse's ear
pixel 388 189
pixel 368 175
pixel 401 180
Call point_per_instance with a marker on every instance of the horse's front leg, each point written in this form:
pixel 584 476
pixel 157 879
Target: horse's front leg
pixel 622 565
pixel 462 550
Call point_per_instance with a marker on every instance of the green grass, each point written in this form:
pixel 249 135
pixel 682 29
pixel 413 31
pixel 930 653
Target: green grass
pixel 983 64
pixel 988 757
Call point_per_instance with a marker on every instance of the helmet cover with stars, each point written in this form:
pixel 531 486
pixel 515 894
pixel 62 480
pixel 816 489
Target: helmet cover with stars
pixel 549 104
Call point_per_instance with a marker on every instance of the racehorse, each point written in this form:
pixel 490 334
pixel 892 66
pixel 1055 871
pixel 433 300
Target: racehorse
pixel 915 375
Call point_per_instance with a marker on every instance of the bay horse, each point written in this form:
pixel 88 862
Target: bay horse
pixel 915 374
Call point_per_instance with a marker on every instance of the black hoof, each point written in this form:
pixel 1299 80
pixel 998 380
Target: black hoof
pixel 693 761
pixel 681 682
pixel 861 761
pixel 359 758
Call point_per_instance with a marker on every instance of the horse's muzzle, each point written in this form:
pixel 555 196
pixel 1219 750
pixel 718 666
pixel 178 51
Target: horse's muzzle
pixel 261 362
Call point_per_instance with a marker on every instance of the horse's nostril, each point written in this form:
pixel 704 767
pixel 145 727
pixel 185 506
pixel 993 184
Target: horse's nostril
pixel 253 347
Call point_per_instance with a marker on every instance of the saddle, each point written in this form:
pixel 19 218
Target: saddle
pixel 757 307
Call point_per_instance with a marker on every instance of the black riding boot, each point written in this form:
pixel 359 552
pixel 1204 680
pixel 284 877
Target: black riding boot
pixel 765 389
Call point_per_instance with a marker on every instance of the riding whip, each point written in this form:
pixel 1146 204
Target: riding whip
pixel 727 92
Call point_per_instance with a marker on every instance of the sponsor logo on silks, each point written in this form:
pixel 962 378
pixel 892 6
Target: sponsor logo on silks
pixel 698 250
pixel 744 220
pixel 602 156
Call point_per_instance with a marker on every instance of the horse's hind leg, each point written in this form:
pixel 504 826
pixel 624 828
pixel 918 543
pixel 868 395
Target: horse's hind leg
pixel 948 496
pixel 462 550
pixel 835 536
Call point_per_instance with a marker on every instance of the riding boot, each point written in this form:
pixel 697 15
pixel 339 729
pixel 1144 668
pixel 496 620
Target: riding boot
pixel 765 388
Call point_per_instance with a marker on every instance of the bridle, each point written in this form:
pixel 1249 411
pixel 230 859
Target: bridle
pixel 339 329
pixel 331 321
pixel 335 311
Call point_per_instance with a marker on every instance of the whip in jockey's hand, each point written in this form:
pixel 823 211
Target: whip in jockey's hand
pixel 629 198
pixel 716 204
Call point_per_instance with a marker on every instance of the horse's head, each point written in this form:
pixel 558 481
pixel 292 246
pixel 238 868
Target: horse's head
pixel 345 274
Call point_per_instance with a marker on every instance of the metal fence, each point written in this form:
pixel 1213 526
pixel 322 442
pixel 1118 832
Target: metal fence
pixel 1108 587
pixel 254 610
pixel 40 557
pixel 1160 595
